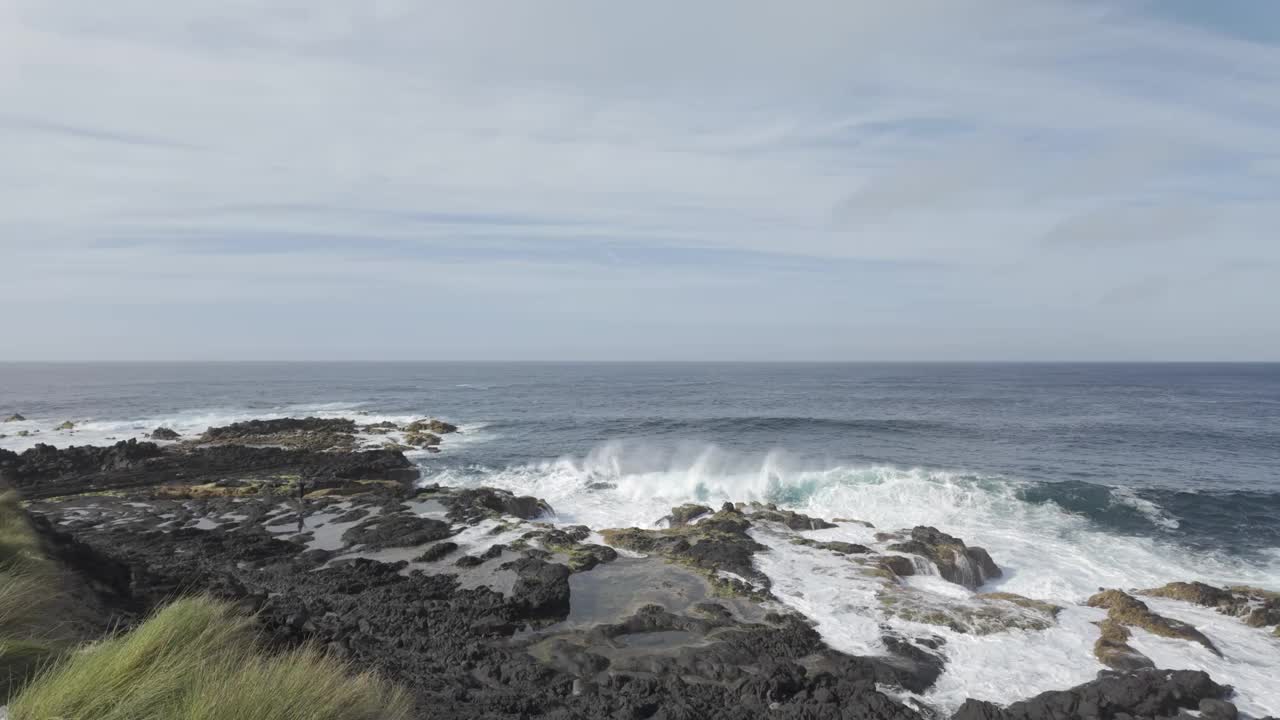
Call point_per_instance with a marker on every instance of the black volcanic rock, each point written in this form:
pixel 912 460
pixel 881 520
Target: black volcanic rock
pixel 396 531
pixel 956 562
pixel 251 429
pixel 46 471
pixel 1145 694
pixel 164 433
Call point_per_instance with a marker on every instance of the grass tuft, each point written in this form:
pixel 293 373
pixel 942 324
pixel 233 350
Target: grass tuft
pixel 28 586
pixel 196 659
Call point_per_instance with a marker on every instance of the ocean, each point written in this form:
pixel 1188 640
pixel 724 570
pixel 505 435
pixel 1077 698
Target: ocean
pixel 1073 476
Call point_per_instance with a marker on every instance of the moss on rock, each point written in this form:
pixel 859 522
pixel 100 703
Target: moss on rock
pixel 1255 606
pixel 979 615
pixel 1113 650
pixel 836 546
pixel 683 514
pixel 956 562
pixel 1124 609
pixel 717 543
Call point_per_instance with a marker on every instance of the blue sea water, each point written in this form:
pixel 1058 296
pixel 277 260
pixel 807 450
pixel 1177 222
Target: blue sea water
pixel 1199 443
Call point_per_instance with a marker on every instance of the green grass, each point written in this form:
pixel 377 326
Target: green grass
pixel 196 659
pixel 29 632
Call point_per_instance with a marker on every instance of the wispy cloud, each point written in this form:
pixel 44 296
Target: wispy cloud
pixel 897 175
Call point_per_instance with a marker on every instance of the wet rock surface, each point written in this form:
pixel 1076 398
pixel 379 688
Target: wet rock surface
pixel 1147 694
pixel 1254 606
pixel 1124 612
pixel 45 471
pixel 956 562
pixel 474 601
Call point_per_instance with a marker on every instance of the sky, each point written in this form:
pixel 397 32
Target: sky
pixel 579 180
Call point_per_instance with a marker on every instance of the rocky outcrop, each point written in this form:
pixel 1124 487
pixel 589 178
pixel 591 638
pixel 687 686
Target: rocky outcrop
pixel 982 614
pixel 46 471
pixel 164 433
pixel 254 429
pixel 836 546
pixel 16 417
pixel 66 425
pixel 1123 612
pixel 684 514
pixel 793 520
pixel 568 542
pixel 1256 607
pixel 716 544
pixel 302 433
pixel 421 439
pixel 437 427
pixel 1149 694
pixel 473 504
pixel 956 562
pixel 398 530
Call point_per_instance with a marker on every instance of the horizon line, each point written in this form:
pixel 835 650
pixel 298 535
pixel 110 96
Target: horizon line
pixel 647 362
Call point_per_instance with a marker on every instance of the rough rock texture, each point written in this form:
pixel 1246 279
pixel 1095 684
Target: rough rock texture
pixel 473 504
pixel 982 614
pixel 164 433
pixel 1149 694
pixel 793 520
pixel 683 514
pixel 714 544
pixel 251 430
pixel 835 546
pixel 46 471
pixel 421 439
pixel 501 635
pixel 436 427
pixel 301 433
pixel 956 562
pixel 1256 607
pixel 1124 611
pixel 396 531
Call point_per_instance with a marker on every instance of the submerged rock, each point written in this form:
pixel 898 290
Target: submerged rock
pixel 1125 611
pixel 66 425
pixel 984 614
pixel 836 546
pixel 1256 607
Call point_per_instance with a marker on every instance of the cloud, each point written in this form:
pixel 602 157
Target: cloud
pixel 934 167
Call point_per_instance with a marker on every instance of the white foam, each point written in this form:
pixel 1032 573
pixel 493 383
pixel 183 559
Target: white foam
pixel 1149 510
pixel 1018 664
pixel 1251 656
pixel 191 423
pixel 1046 552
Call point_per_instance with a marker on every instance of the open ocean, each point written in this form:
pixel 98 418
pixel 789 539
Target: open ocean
pixel 1073 476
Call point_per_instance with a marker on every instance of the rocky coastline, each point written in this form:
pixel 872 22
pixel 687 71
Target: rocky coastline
pixel 482 606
